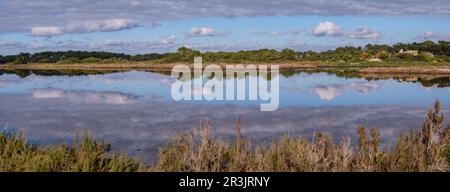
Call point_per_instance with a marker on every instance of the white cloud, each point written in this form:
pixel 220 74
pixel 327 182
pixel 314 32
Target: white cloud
pixel 48 93
pixel 167 40
pixel 9 79
pixel 202 31
pixel 84 27
pixel 364 33
pixel 7 44
pixel 134 77
pixel 363 87
pixel 101 25
pixel 329 92
pixel 85 96
pixel 330 29
pixel 428 35
pixel 327 29
pixel 135 3
pixel 273 34
pixel 267 33
pixel 46 31
pixel 36 46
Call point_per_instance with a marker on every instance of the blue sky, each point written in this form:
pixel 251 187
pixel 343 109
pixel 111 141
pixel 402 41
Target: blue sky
pixel 135 27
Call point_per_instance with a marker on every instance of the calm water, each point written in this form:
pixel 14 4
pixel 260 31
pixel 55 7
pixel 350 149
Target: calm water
pixel 134 109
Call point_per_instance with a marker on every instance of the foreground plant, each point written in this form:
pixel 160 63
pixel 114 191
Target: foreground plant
pixel 87 155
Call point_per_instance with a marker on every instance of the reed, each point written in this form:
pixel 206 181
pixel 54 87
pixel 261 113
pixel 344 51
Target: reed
pixel 84 155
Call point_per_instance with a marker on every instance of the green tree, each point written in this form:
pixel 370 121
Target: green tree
pixel 288 54
pixel 22 58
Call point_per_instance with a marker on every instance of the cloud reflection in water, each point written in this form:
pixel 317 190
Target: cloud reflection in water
pixel 85 96
pixel 329 92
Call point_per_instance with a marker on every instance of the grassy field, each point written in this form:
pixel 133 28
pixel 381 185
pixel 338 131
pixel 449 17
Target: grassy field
pixel 198 151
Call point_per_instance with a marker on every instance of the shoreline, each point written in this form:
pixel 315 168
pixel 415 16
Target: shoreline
pixel 364 70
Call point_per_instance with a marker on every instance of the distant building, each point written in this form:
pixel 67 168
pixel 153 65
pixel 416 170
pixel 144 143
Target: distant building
pixel 411 52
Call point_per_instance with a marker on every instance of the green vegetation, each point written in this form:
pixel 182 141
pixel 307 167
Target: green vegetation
pixel 439 82
pixel 16 154
pixel 424 52
pixel 424 150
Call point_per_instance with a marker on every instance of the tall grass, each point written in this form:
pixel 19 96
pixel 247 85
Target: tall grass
pixel 424 150
pixel 86 155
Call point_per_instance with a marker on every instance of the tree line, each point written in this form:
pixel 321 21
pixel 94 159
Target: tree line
pixel 428 51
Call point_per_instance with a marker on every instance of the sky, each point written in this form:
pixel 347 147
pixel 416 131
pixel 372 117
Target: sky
pixel 148 26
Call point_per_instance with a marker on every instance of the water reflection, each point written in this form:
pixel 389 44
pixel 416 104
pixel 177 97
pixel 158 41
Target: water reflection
pixel 329 92
pixel 135 111
pixel 85 96
pixel 297 88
